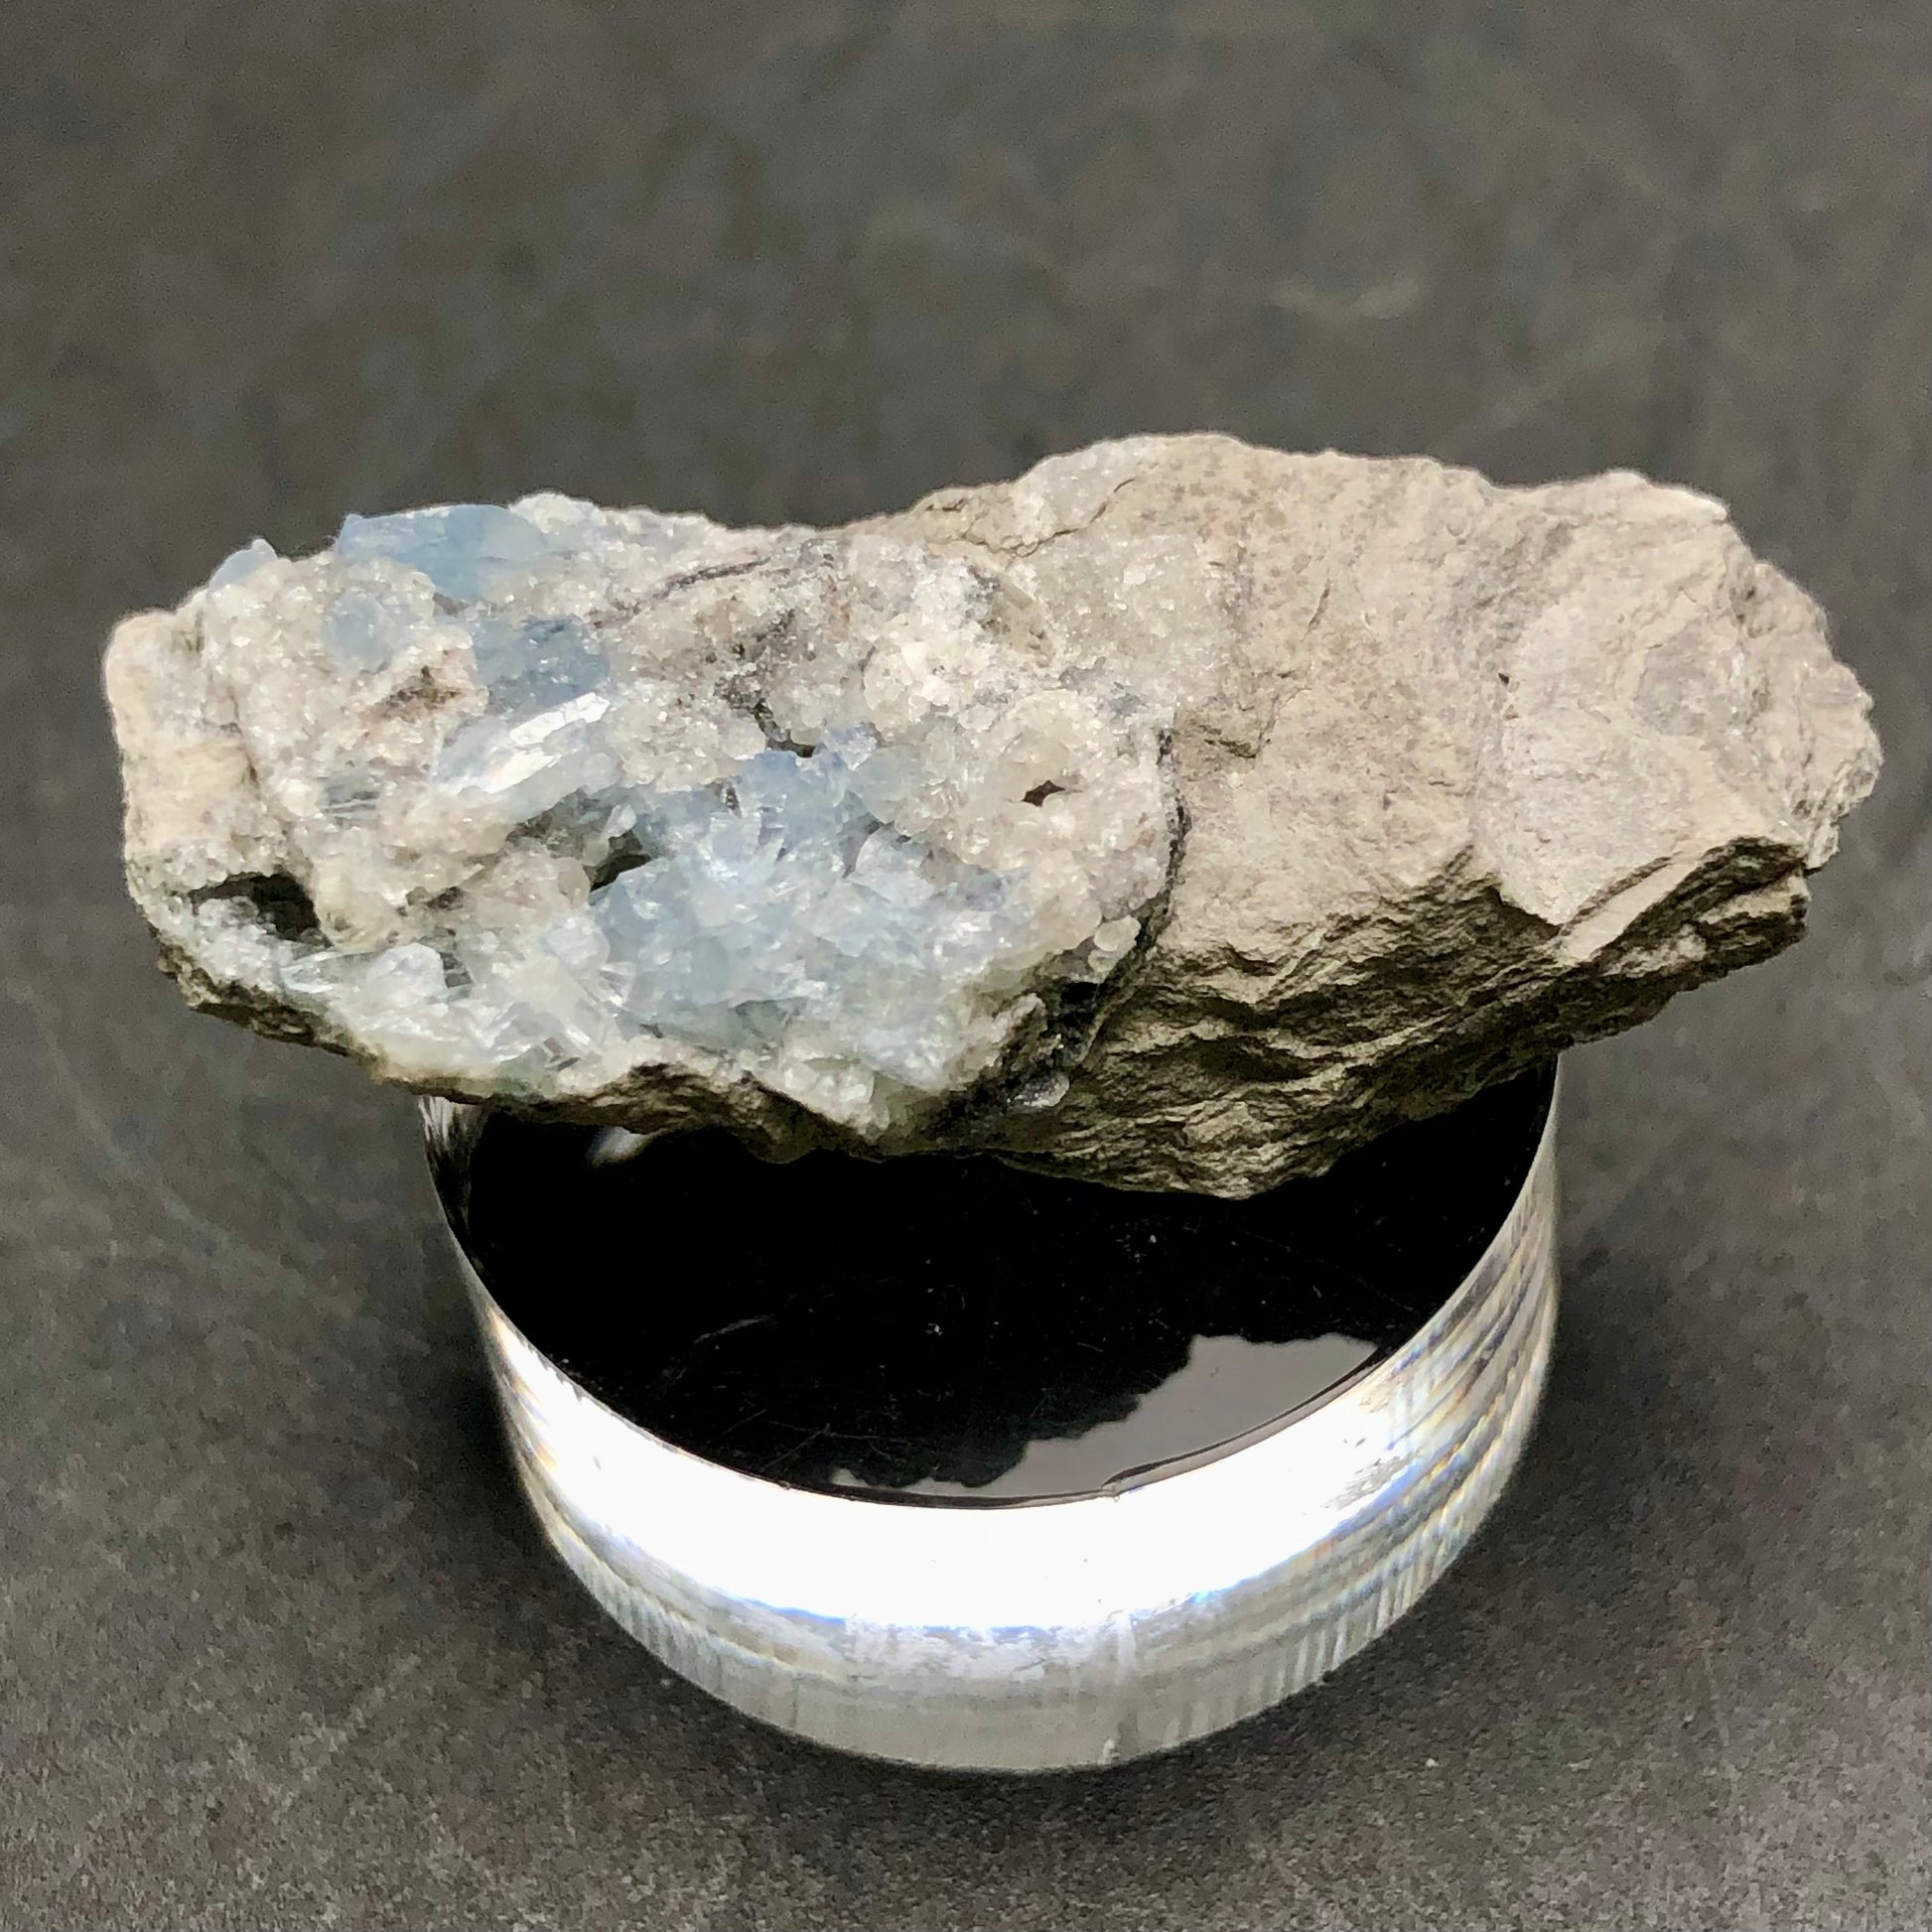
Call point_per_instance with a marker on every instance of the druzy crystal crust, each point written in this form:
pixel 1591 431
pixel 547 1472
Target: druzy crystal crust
pixel 570 792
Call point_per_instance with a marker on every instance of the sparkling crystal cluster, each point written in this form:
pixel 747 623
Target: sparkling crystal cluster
pixel 569 791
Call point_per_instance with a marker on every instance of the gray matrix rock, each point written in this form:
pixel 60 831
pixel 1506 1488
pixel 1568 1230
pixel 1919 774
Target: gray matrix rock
pixel 1177 816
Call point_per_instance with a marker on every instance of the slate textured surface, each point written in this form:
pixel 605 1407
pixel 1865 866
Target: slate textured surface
pixel 279 1646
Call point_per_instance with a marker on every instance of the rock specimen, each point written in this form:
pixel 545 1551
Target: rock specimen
pixel 1176 816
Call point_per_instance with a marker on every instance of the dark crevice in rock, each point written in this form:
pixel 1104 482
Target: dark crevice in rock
pixel 685 579
pixel 423 692
pixel 278 901
pixel 627 854
pixel 777 738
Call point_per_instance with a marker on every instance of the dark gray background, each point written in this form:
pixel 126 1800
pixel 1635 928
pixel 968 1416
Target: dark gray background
pixel 280 1646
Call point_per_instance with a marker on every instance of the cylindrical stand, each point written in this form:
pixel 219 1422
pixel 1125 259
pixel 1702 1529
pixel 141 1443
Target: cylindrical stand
pixel 1060 1633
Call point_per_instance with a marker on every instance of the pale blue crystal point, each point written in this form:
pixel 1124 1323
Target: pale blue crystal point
pixel 469 551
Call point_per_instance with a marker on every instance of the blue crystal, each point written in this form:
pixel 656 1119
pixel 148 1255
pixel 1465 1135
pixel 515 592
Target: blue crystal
pixel 467 551
pixel 806 804
pixel 673 820
pixel 360 633
pixel 537 664
pixel 240 564
pixel 526 776
pixel 353 796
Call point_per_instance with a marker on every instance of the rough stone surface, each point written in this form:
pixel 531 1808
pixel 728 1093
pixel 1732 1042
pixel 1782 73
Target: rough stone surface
pixel 1177 815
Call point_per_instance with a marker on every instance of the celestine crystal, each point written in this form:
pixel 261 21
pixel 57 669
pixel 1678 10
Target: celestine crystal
pixel 563 793
pixel 1177 816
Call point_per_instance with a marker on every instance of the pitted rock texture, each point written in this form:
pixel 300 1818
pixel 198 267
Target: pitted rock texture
pixel 1176 816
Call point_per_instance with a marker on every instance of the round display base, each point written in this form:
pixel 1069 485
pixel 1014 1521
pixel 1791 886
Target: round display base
pixel 945 1463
